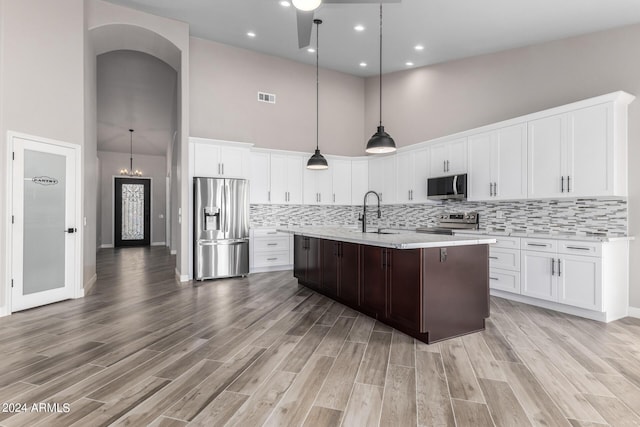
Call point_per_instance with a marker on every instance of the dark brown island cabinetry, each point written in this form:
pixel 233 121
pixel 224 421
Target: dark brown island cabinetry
pixel 306 261
pixel 340 268
pixel 431 293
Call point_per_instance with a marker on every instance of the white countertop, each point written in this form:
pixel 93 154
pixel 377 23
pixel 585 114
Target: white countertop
pixel 556 236
pixel 404 239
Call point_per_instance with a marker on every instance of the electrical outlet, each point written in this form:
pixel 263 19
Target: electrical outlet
pixel 500 215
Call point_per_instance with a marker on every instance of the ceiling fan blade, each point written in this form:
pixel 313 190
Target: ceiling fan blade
pixel 305 24
pixel 359 1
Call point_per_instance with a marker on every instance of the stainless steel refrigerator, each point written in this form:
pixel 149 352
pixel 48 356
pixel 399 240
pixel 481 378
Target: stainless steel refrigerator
pixel 221 228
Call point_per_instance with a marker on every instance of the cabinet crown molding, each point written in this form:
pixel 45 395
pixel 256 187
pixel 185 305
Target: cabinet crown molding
pixel 219 142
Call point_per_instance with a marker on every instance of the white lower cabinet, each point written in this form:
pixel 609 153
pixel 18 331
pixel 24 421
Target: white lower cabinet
pixel 538 275
pixel 270 250
pixel 584 278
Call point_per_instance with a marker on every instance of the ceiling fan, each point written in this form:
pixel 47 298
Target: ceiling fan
pixel 306 8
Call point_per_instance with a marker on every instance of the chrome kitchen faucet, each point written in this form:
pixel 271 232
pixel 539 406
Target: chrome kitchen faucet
pixel 363 215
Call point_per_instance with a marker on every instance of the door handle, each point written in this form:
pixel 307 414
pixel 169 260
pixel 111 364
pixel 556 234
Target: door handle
pixel 553 266
pixel 490 190
pixel 568 184
pixel 71 230
pixel 562 184
pixel 495 189
pixel 444 166
pixel 559 268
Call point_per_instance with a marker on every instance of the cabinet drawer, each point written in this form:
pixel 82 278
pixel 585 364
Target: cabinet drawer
pixel 540 245
pixel 504 280
pixel 506 242
pixel 267 232
pixel 508 259
pixel 266 259
pixel 580 248
pixel 271 244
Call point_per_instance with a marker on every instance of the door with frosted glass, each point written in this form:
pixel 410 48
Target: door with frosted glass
pixel 45 235
pixel 132 212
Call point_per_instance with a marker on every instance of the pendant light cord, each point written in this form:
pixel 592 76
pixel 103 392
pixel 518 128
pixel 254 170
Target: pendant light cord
pixel 380 63
pixel 317 84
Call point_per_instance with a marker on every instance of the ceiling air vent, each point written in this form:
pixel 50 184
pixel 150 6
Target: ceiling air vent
pixel 266 97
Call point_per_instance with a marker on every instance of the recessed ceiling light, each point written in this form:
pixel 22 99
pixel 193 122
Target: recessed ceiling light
pixel 311 50
pixel 359 28
pixel 251 34
pixel 363 64
pixel 285 3
pixel 409 64
pixel 418 47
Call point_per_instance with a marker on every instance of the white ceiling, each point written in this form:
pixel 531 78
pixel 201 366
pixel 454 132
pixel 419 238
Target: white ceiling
pixel 448 29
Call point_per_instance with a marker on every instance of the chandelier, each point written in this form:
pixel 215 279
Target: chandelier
pixel 130 171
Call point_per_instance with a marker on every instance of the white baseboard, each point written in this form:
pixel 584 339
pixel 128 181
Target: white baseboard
pixel 4 312
pixel 90 283
pixel 634 312
pixel 106 246
pixel 271 268
pixel 158 243
pixel 181 277
pixel 174 251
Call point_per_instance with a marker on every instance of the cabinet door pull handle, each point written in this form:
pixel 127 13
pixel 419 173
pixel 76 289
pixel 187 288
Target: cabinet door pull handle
pixel 272 232
pixel 559 268
pixel 568 184
pixel 334 197
pixel 444 166
pixel 493 278
pixel 272 244
pixel 493 257
pixel 537 244
pixel 562 184
pixel 553 266
pixel 319 197
pixel 222 168
pixel 490 189
pixel 448 168
pixel 268 196
pixel 495 189
pixel 272 259
pixel 579 248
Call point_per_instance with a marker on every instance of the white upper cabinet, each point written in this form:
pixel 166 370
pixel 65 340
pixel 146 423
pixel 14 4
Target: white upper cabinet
pixel 590 151
pixel 413 171
pixel 498 164
pixel 214 158
pixel 318 186
pixel 382 178
pixel 286 178
pixel 359 180
pixel 341 171
pixel 581 152
pixel 449 157
pixel 260 177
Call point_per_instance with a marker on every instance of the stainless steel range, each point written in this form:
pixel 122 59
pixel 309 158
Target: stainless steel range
pixel 449 222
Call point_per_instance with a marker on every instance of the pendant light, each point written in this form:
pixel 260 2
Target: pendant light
pixel 317 161
pixel 306 5
pixel 381 142
pixel 130 171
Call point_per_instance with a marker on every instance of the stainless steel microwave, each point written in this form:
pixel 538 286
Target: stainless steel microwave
pixel 447 187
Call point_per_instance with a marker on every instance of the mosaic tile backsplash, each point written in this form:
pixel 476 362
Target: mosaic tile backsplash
pixel 608 216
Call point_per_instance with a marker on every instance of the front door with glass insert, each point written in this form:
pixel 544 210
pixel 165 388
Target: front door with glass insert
pixel 132 212
pixel 45 237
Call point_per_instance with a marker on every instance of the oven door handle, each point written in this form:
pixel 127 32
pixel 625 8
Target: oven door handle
pixel 455 185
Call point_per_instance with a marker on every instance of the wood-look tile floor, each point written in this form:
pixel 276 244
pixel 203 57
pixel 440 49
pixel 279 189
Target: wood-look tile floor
pixel 143 350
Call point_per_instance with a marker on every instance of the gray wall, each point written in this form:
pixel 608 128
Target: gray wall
pixel 41 81
pixel 154 167
pixel 429 102
pixel 225 81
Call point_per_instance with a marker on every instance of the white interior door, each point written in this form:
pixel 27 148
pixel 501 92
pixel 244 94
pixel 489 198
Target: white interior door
pixel 45 233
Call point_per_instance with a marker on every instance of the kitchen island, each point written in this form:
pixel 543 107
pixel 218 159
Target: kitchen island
pixel 432 287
